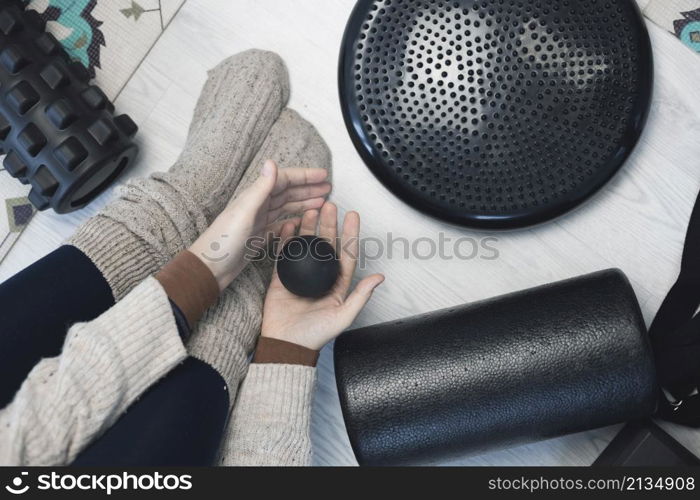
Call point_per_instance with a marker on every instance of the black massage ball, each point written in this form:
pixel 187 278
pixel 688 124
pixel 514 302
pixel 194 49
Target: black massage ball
pixel 308 266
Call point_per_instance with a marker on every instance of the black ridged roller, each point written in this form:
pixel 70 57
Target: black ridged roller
pixel 58 131
pixel 495 113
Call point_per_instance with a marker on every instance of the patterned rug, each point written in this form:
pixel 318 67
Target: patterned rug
pixel 111 38
pixel 679 17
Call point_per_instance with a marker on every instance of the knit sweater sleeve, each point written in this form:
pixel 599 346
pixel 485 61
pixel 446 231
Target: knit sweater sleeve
pixel 271 420
pixel 105 365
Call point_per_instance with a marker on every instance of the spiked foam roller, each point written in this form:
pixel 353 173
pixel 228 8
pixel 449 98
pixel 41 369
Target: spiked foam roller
pixel 60 133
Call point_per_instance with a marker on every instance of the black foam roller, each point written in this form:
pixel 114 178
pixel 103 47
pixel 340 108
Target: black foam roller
pixel 537 364
pixel 59 132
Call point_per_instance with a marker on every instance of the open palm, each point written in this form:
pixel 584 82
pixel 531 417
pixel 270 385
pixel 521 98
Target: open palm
pixel 314 322
pixel 256 212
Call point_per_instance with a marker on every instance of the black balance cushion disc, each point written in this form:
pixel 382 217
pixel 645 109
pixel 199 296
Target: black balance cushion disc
pixel 495 113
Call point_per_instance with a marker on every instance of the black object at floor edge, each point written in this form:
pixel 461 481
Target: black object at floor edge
pixel 645 444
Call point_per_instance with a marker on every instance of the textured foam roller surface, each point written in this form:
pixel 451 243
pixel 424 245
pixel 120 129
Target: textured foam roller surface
pixel 495 113
pixel 58 131
pixel 536 364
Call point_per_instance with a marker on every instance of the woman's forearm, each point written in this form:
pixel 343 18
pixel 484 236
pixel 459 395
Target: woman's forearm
pixel 272 416
pixel 105 365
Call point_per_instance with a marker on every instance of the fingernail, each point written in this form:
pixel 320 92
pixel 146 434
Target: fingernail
pixel 373 285
pixel 267 169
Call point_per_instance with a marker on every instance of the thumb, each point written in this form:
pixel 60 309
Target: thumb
pixel 265 184
pixel 269 174
pixel 253 198
pixel 359 297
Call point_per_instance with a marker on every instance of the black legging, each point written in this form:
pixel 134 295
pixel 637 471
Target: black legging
pixel 179 421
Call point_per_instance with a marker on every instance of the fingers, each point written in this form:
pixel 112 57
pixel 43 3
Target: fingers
pixel 300 193
pixel 287 232
pixel 296 190
pixel 328 226
pixel 308 223
pixel 349 248
pixel 295 208
pixel 289 177
pixel 275 229
pixel 359 297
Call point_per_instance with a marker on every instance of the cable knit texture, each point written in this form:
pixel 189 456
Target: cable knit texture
pixel 228 332
pixel 272 417
pixel 155 218
pixel 106 364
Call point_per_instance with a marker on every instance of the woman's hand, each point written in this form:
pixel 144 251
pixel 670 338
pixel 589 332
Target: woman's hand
pixel 314 322
pixel 254 213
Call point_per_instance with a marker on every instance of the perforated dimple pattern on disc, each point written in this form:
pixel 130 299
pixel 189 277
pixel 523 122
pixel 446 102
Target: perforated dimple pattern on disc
pixel 495 113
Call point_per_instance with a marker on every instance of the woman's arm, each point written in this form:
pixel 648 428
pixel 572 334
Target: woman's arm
pixel 271 418
pixel 106 364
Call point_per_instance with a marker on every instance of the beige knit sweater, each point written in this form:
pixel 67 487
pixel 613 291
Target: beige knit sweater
pixel 68 401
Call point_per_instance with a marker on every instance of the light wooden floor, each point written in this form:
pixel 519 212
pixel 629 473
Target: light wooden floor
pixel 637 223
